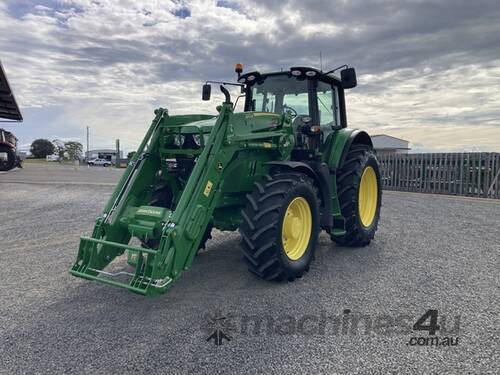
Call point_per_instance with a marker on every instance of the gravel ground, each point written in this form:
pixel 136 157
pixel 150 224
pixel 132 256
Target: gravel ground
pixel 431 252
pixel 52 172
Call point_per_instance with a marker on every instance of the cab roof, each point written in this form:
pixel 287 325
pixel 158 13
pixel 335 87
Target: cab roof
pixel 305 72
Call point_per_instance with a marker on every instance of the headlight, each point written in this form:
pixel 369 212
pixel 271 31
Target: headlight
pixel 296 73
pixel 310 73
pixel 197 140
pixel 179 140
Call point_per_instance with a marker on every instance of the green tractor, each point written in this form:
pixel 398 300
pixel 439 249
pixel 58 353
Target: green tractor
pixel 281 171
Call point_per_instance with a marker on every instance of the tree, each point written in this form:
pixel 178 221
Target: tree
pixel 40 148
pixel 59 147
pixel 130 155
pixel 74 150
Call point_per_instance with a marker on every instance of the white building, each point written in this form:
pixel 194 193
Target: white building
pixel 108 154
pixel 387 144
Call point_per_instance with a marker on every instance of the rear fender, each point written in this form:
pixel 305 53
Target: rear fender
pixel 339 143
pixel 319 173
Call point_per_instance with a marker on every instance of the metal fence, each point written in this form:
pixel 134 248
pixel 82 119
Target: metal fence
pixel 471 174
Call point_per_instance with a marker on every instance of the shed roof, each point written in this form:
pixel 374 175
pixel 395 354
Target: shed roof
pixel 8 106
pixel 389 136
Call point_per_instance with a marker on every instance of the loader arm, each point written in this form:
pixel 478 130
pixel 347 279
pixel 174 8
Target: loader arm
pixel 126 215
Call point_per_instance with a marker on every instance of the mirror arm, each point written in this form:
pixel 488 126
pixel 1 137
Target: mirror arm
pixel 227 83
pixel 337 68
pixel 238 98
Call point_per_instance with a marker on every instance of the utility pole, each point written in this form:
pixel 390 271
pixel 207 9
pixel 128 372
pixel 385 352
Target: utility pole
pixel 118 159
pixel 87 154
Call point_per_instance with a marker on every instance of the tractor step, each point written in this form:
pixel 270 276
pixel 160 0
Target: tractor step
pixel 88 267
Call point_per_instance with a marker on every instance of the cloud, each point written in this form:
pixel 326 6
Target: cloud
pixel 429 71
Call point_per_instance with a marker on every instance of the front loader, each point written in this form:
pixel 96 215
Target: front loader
pixel 281 171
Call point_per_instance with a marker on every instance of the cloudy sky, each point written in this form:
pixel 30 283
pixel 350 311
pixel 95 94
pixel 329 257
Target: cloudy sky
pixel 428 71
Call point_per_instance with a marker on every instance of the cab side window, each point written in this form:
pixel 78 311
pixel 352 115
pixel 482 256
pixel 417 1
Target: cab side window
pixel 263 102
pixel 328 106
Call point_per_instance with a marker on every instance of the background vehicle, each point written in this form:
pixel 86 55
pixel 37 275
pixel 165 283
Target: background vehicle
pixel 8 155
pixel 9 110
pixel 52 158
pixel 280 172
pixel 101 162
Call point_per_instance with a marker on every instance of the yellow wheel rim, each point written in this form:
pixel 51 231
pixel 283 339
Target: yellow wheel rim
pixel 368 196
pixel 297 227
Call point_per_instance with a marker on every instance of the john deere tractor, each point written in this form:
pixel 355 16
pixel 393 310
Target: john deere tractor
pixel 280 171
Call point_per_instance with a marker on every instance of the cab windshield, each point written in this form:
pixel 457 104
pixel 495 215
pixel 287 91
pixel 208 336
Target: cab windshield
pixel 279 94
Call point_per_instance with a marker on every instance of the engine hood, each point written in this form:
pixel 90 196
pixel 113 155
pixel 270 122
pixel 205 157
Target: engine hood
pixel 204 125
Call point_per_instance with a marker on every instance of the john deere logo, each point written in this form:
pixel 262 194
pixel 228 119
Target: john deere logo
pixel 149 212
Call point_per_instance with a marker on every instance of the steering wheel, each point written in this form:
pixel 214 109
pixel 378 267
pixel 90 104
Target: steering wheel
pixel 293 111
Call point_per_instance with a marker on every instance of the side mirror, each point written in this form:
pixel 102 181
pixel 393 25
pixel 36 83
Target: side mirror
pixel 348 78
pixel 205 94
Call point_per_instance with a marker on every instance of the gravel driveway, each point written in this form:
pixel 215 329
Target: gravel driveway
pixel 352 313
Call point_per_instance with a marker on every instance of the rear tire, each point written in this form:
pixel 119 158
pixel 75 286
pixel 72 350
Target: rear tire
pixel 280 226
pixel 360 196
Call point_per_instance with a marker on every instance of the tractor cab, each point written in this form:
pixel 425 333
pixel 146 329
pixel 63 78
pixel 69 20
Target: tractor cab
pixel 314 99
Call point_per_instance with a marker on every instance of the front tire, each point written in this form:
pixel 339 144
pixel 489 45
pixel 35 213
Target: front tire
pixel 360 195
pixel 280 226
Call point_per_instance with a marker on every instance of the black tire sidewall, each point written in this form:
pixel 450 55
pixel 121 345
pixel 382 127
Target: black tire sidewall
pixel 11 159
